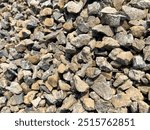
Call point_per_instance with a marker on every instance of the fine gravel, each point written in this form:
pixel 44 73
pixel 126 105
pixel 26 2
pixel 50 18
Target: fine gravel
pixel 75 56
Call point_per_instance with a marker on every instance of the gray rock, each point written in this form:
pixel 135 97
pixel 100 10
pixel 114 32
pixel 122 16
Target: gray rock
pixel 16 99
pixel 138 44
pixel 50 98
pixel 138 62
pixel 81 40
pixel 134 13
pixel 146 52
pixel 136 75
pixel 94 8
pixel 134 107
pixel 10 74
pixel 103 64
pixel 142 4
pixel 15 88
pixel 103 89
pixel 120 80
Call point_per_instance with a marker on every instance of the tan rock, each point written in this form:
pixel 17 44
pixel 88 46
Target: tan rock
pixel 36 101
pixel 121 100
pixel 62 68
pixel 88 104
pixel 34 59
pixel 29 97
pixel 74 7
pixel 134 94
pixel 48 22
pixel 24 33
pixel 80 85
pixel 68 26
pixel 77 108
pixel 64 86
pixel 143 107
pixel 53 80
pixel 46 11
pixel 50 88
pixel 124 58
pixel 35 86
pixel 137 31
pixel 117 4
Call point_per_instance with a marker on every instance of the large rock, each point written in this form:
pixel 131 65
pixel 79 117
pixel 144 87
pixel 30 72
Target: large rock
pixel 74 7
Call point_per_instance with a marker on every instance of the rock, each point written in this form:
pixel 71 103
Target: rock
pixel 138 44
pixel 62 68
pixel 149 95
pixel 53 80
pixel 134 107
pixel 15 88
pixel 105 29
pixel 68 76
pixel 68 102
pixel 144 4
pixel 16 99
pixel 49 22
pixel 92 72
pixel 120 80
pixel 64 86
pixel 143 107
pixel 120 100
pixel 138 62
pixel 88 104
pixel 77 108
pixel 34 59
pixel 94 8
pixel 24 33
pixel 125 39
pixel 61 38
pixel 103 64
pixel 36 101
pixel 2 101
pixel 74 7
pixel 110 43
pixel 126 85
pixel 117 4
pixel 102 88
pixel 68 26
pixel 51 109
pixel 124 58
pixel 50 98
pixel 10 74
pixel 113 54
pixel 29 97
pixel 109 10
pixel 35 86
pixel 81 40
pixel 136 75
pixel 134 94
pixel 80 85
pixel 46 11
pixel 134 13
pixel 146 51
pixel 137 31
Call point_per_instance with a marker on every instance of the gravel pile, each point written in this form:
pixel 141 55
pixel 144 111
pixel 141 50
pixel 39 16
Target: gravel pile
pixel 75 56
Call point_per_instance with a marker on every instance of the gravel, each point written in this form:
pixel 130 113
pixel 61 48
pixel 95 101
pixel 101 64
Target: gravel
pixel 77 56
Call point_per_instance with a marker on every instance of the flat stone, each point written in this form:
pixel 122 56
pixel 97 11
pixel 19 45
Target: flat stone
pixel 88 104
pixel 74 7
pixel 15 88
pixel 138 44
pixel 109 10
pixel 120 80
pixel 80 85
pixel 105 29
pixel 134 13
pixel 102 88
pixel 126 85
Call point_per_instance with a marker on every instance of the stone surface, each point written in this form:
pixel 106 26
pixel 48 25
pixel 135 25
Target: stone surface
pixel 80 85
pixel 74 7
pixel 88 104
pixel 15 88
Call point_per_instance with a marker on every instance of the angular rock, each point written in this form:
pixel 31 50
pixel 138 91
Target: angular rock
pixel 143 107
pixel 94 8
pixel 138 62
pixel 146 52
pixel 74 7
pixel 15 88
pixel 138 44
pixel 120 80
pixel 137 31
pixel 80 85
pixel 64 86
pixel 88 104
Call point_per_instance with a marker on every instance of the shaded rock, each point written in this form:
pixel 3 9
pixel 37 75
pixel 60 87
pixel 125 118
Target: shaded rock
pixel 94 8
pixel 16 99
pixel 137 31
pixel 142 4
pixel 53 80
pixel 88 104
pixel 143 107
pixel 146 52
pixel 29 97
pixel 138 44
pixel 134 13
pixel 80 85
pixel 138 62
pixel 120 80
pixel 15 88
pixel 105 29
